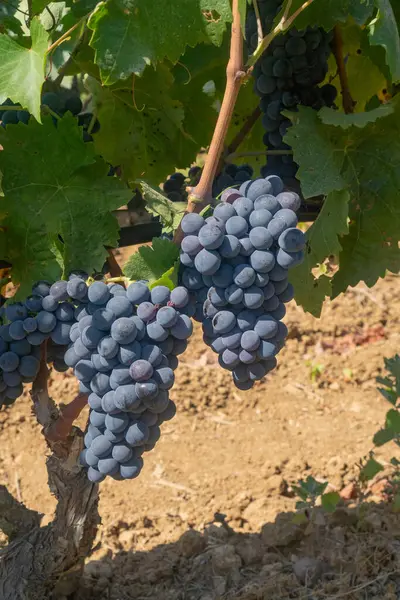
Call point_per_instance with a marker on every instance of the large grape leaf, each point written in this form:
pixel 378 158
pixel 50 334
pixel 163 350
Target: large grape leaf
pixel 55 188
pixel 128 35
pixel 326 13
pixel 199 83
pixel 22 70
pixel 363 160
pixel 330 117
pixel 383 31
pixel 141 130
pixel 322 242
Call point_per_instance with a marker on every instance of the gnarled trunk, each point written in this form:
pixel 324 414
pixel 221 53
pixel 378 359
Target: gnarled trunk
pixel 40 563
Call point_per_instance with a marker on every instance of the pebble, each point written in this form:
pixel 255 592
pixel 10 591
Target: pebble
pixel 224 559
pixel 192 542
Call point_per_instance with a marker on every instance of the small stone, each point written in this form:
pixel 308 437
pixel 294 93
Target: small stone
pixel 98 568
pixel 250 550
pixel 192 542
pixel 102 583
pixel 308 570
pixel 216 532
pixel 275 484
pixel 242 500
pixel 255 509
pixel 282 532
pixel 334 386
pixel 127 537
pixel 224 559
pixel 349 492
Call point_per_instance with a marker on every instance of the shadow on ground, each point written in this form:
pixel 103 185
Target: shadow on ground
pixel 353 553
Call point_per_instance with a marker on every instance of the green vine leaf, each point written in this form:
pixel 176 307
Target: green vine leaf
pixel 128 35
pixel 322 241
pixel 330 500
pixel 383 436
pixel 393 421
pixel 72 199
pixel 22 70
pixel 142 133
pixel 170 213
pixel 152 262
pixel 383 31
pixel 370 470
pixel 199 83
pixel 330 117
pixel 363 161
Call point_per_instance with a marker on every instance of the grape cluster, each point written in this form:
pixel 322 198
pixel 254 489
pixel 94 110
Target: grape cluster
pixel 288 75
pixel 59 104
pixel 176 184
pixel 47 314
pixel 236 264
pixel 124 349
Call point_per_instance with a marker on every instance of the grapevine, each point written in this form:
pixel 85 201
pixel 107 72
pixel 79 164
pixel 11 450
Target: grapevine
pixel 213 131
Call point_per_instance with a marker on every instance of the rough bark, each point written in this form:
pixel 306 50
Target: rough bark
pixel 47 562
pixel 43 563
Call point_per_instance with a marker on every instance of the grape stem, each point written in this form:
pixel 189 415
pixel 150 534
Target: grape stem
pixel 231 157
pixel 63 69
pixel 282 26
pixel 347 101
pixel 67 34
pixel 260 33
pixel 120 279
pixel 201 194
pixel 29 6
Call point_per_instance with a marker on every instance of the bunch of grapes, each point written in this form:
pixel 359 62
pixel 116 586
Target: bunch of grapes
pixel 123 350
pixel 59 104
pixel 288 75
pixel 176 184
pixel 236 264
pixel 48 314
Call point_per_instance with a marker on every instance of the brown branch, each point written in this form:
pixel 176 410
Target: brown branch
pixel 115 269
pixel 61 428
pixel 347 100
pixel 57 423
pixel 201 194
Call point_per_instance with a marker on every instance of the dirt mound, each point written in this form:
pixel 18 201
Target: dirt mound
pixel 353 554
